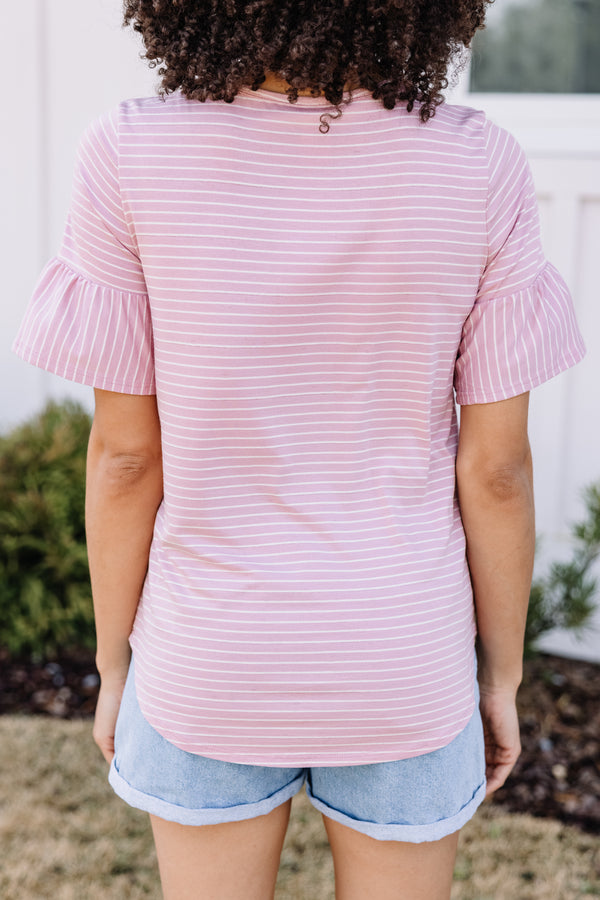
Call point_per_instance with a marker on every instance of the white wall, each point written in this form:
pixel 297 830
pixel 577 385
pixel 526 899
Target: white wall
pixel 70 61
pixel 80 63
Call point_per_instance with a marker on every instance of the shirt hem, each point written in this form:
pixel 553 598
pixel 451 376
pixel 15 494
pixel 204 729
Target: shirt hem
pixel 292 760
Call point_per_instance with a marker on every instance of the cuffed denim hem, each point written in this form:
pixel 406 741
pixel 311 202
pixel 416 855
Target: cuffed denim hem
pixel 210 816
pixel 414 834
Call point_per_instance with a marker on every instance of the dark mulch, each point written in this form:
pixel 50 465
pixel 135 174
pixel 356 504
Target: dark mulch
pixel 558 773
pixel 65 689
pixel 557 776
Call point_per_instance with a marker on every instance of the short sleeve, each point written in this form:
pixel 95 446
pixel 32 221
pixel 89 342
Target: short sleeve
pixel 522 328
pixel 89 317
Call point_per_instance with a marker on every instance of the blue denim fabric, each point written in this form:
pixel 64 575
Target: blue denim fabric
pixel 423 798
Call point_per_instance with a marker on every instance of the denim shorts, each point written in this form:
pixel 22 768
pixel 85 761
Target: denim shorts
pixel 423 798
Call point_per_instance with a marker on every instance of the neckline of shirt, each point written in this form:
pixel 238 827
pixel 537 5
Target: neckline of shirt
pixel 275 97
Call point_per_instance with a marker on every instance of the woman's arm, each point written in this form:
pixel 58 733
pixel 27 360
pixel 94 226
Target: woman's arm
pixel 495 493
pixel 124 490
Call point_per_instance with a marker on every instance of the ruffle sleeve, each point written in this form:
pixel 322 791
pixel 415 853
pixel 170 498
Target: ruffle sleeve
pixel 87 332
pixel 521 330
pixel 89 319
pixel 511 344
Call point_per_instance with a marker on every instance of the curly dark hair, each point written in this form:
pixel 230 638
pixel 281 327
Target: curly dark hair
pixel 399 50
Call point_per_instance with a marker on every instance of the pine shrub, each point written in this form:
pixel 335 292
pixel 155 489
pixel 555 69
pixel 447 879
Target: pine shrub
pixel 564 597
pixel 45 596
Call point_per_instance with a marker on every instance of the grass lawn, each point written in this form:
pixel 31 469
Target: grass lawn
pixel 65 836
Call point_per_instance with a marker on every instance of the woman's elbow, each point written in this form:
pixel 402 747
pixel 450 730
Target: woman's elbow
pixel 501 480
pixel 122 468
pixel 510 483
pixel 129 468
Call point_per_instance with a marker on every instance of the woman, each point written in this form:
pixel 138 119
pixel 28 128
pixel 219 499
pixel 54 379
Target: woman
pixel 278 304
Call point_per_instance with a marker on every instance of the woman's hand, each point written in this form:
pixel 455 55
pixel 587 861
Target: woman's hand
pixel 107 710
pixel 501 734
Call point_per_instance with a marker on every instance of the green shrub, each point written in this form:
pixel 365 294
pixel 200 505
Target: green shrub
pixel 564 598
pixel 45 596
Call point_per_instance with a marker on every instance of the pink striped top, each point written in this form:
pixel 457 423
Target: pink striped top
pixel 307 308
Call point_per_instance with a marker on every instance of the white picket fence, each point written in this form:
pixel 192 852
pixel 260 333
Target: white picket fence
pixel 79 63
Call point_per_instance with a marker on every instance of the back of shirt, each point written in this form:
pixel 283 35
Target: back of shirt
pixel 306 307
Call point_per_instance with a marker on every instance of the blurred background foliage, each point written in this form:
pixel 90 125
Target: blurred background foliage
pixel 45 596
pixel 539 46
pixel 564 596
